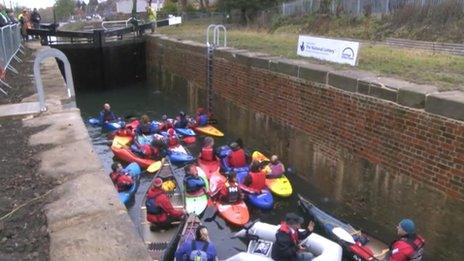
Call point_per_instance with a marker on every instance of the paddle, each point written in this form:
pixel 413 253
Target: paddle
pixel 343 235
pixel 213 217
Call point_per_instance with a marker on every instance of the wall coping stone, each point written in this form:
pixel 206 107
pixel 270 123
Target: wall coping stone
pixel 449 104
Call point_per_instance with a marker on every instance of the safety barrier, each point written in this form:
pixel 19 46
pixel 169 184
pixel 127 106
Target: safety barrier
pixel 10 45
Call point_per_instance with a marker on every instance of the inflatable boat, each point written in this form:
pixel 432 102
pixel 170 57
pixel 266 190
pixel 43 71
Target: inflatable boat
pixel 262 237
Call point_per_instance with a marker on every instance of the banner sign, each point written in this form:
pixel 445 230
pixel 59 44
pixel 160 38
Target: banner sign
pixel 175 20
pixel 337 51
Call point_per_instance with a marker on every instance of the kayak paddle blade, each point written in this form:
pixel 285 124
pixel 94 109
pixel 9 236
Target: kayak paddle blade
pixel 343 235
pixel 154 167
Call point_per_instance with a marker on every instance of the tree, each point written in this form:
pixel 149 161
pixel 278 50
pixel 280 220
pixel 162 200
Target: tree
pixel 248 8
pixel 64 8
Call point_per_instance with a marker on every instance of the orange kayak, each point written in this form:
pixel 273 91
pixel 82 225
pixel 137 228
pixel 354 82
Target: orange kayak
pixel 236 214
pixel 121 150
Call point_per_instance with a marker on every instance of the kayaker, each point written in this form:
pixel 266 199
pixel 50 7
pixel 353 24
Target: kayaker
pixel 275 168
pixel 145 127
pixel 229 191
pixel 286 246
pixel 165 123
pixel 199 249
pixel 207 151
pixel 237 157
pixel 409 246
pixel 106 115
pixel 201 118
pixel 160 212
pixel 173 140
pixel 121 180
pixel 256 178
pixel 181 120
pixel 192 181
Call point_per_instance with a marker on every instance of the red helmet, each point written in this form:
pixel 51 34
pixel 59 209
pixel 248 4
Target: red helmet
pixel 146 150
pixel 171 132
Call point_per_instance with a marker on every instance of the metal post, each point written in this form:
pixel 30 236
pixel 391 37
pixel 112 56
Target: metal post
pixel 359 8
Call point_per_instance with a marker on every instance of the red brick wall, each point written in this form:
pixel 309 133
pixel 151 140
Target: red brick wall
pixel 404 141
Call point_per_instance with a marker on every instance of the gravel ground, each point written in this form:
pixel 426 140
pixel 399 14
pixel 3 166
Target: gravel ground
pixel 23 190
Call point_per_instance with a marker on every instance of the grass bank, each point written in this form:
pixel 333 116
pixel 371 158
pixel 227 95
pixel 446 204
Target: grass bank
pixel 444 71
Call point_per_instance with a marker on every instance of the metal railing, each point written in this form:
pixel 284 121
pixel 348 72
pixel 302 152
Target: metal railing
pixel 125 22
pixel 216 29
pixel 10 45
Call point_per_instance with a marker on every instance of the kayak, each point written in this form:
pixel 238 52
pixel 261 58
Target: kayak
pixel 209 130
pixel 161 243
pixel 107 126
pixel 134 170
pixel 196 203
pixel 356 244
pixel 237 213
pixel 185 132
pixel 179 155
pixel 121 150
pixel 209 167
pixel 262 200
pixel 279 186
pixel 322 248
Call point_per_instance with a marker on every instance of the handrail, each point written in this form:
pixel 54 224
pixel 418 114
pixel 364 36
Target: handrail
pixel 117 22
pixel 52 53
pixel 216 29
pixel 207 34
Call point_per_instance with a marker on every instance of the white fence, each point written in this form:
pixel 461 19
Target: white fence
pixel 10 45
pixel 355 7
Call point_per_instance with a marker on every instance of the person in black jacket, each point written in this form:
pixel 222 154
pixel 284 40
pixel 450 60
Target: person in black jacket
pixel 286 246
pixel 36 18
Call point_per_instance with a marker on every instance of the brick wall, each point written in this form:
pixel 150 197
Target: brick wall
pixel 356 113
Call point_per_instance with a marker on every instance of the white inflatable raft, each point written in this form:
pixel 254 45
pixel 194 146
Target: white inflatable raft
pixel 263 235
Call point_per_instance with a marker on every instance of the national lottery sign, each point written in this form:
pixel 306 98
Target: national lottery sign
pixel 337 51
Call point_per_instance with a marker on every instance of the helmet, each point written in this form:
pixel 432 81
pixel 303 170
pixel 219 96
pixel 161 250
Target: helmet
pixel 233 145
pixel 182 113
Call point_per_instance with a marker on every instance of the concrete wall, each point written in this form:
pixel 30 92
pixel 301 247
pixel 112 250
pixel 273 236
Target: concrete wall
pixel 385 148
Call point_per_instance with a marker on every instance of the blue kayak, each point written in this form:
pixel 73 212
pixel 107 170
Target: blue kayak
pixel 179 155
pixel 107 126
pixel 134 170
pixel 265 200
pixel 185 132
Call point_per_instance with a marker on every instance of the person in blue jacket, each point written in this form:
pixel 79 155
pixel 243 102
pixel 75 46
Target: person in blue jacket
pixel 106 115
pixel 145 127
pixel 193 182
pixel 201 248
pixel 181 121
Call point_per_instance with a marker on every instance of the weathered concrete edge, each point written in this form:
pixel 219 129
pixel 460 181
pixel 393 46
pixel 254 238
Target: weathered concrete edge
pixel 365 83
pixel 86 218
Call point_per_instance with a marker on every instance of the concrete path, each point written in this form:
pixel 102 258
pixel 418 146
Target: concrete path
pixel 86 220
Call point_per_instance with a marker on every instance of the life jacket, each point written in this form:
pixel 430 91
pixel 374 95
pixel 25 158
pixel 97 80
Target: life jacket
pixel 258 180
pixel 418 245
pixel 124 183
pixel 152 206
pixel 232 192
pixel 285 228
pixel 199 254
pixel 413 249
pixel 108 116
pixel 145 128
pixel 237 158
pixel 207 153
pixel 188 188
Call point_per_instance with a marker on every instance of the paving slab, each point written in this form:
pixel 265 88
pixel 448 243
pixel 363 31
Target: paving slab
pixel 18 109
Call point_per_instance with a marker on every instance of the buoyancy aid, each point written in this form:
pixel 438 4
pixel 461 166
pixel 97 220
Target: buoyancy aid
pixel 285 228
pixel 237 159
pixel 207 153
pixel 232 192
pixel 258 180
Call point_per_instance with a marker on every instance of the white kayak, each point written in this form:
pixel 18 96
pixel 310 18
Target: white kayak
pixel 322 248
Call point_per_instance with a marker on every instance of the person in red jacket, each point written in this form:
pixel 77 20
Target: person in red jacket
pixel 256 178
pixel 160 212
pixel 121 180
pixel 228 191
pixel 173 140
pixel 237 157
pixel 207 151
pixel 409 246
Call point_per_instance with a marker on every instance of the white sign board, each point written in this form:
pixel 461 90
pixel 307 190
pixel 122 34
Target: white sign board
pixel 337 51
pixel 175 20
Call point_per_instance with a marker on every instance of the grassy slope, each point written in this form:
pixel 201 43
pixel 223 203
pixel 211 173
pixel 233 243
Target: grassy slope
pixel 444 71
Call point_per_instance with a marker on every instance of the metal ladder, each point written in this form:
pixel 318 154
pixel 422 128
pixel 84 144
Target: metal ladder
pixel 216 29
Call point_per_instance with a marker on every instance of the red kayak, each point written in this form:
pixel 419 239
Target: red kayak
pixel 237 213
pixel 209 167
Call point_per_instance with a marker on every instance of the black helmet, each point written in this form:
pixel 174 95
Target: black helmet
pixel 182 113
pixel 233 145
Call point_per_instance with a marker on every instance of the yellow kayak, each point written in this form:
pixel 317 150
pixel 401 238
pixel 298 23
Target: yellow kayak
pixel 121 142
pixel 279 186
pixel 210 130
